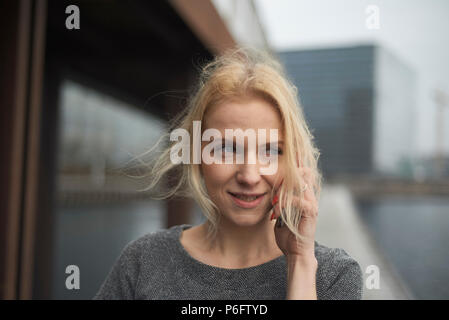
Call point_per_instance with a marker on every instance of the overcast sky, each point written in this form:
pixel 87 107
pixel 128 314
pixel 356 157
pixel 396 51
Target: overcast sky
pixel 416 31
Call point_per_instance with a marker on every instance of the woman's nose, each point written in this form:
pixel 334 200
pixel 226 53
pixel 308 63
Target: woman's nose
pixel 248 174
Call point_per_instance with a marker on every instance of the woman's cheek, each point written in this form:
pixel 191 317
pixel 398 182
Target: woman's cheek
pixel 216 176
pixel 277 177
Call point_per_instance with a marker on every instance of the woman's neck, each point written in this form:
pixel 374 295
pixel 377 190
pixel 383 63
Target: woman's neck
pixel 242 246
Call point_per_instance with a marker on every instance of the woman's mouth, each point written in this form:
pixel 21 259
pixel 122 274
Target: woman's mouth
pixel 247 200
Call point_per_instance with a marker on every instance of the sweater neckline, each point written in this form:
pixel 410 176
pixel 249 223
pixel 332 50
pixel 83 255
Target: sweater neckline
pixel 259 274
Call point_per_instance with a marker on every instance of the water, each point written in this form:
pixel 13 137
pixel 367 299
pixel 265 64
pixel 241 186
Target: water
pixel 414 235
pixel 92 237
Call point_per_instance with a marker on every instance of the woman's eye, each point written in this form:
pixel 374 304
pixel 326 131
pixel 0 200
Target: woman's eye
pixel 277 151
pixel 226 148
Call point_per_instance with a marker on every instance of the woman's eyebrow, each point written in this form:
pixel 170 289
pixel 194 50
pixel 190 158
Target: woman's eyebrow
pixel 279 142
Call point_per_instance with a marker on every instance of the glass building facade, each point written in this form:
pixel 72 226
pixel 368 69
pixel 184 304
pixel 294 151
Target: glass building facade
pixel 358 102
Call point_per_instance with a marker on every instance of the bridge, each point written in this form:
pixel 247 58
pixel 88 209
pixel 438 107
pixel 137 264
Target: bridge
pixel 367 187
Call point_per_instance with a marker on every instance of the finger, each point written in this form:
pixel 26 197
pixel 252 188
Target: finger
pixel 306 175
pixel 279 223
pixel 276 212
pixel 307 208
pixel 276 194
pixel 277 209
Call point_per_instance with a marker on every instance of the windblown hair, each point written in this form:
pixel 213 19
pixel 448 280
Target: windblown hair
pixel 239 73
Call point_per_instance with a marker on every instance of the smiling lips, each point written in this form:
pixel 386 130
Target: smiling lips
pixel 247 200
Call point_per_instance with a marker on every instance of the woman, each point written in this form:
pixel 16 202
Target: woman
pixel 258 241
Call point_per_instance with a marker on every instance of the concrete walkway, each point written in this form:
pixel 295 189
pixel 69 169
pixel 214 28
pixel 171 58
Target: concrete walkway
pixel 340 226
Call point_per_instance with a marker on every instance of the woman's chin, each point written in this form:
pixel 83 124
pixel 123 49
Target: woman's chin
pixel 247 220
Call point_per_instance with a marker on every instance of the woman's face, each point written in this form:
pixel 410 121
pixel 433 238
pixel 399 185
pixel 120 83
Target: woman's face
pixel 228 183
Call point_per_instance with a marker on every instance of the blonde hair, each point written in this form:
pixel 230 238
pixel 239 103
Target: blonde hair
pixel 238 73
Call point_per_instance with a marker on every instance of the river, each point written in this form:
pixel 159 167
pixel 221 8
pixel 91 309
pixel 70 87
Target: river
pixel 413 233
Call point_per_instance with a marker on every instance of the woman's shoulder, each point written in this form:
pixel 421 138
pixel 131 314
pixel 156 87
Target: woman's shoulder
pixel 339 272
pixel 140 262
pixel 333 260
pixel 150 250
pixel 325 253
pixel 154 241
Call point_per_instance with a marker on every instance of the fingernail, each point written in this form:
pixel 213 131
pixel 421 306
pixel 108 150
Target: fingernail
pixel 275 200
pixel 272 216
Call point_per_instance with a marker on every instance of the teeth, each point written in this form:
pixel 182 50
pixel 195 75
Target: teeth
pixel 245 198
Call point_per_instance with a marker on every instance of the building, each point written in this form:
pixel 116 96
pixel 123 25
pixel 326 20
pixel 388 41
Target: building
pixel 359 103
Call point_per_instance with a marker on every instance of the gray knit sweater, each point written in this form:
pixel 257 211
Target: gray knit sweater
pixel 157 266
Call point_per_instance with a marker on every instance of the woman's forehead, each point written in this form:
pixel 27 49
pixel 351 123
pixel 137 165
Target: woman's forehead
pixel 255 113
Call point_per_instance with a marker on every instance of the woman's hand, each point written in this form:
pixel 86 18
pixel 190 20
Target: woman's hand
pixel 303 250
pixel 301 262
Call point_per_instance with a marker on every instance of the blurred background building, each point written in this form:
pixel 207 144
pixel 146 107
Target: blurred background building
pixel 358 102
pixel 77 106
